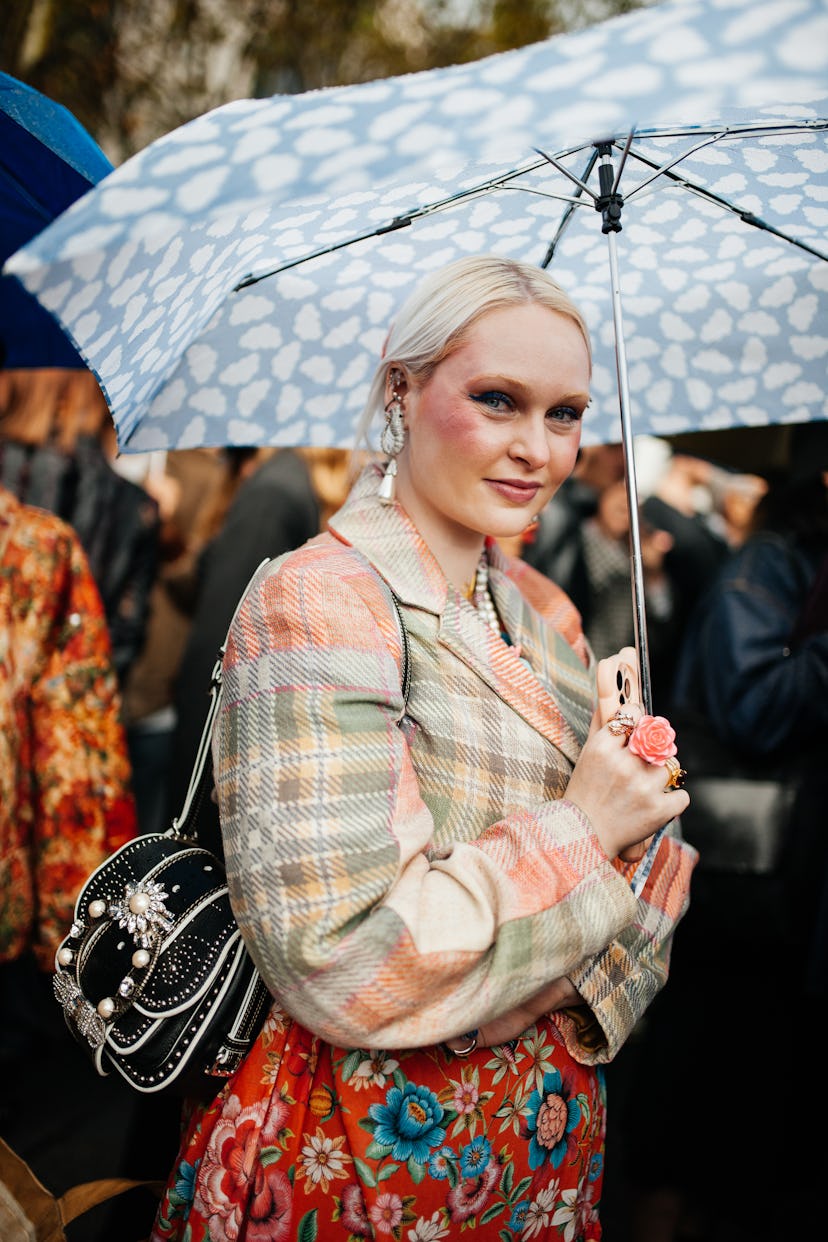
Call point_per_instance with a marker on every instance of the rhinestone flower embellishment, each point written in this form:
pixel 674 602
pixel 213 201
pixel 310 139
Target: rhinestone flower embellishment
pixel 142 912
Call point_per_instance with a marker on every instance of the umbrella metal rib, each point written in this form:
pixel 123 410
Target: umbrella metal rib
pixel 747 217
pixel 405 218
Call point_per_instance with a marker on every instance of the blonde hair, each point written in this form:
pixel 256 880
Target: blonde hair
pixel 438 315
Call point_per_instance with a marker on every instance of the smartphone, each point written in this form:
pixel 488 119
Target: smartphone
pixel 619 685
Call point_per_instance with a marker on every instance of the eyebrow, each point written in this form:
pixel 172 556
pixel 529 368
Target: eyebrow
pixel 487 380
pixel 492 378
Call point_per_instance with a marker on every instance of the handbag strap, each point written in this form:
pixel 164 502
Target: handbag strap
pixel 29 1210
pixel 185 824
pixel 80 1199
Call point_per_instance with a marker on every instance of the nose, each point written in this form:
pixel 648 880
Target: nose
pixel 531 443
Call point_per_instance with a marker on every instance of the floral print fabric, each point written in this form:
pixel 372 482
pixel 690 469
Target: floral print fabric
pixel 65 783
pixel 308 1141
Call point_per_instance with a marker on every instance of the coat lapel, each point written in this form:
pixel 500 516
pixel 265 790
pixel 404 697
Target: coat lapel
pixel 545 683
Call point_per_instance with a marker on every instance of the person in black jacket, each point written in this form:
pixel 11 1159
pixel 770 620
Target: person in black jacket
pixel 722 1078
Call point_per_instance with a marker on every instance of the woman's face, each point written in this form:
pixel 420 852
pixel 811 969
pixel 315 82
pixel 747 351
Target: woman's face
pixel 495 431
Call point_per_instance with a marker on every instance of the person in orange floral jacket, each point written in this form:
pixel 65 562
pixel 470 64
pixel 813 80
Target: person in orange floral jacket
pixel 66 802
pixel 65 796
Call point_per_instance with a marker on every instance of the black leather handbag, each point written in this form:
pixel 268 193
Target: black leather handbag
pixel 154 977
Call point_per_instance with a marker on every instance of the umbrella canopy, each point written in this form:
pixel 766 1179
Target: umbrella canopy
pixel 156 275
pixel 47 161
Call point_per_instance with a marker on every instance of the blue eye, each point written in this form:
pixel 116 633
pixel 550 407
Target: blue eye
pixel 493 400
pixel 565 414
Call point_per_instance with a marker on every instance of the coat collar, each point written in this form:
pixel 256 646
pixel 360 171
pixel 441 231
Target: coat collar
pixel 554 693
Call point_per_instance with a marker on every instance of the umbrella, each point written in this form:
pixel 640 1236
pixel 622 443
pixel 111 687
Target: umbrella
pixel 143 273
pixel 47 161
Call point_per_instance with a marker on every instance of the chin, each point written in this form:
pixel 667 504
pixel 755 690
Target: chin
pixel 511 524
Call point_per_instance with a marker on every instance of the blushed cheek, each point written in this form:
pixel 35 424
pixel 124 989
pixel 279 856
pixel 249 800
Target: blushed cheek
pixel 562 463
pixel 565 462
pixel 463 431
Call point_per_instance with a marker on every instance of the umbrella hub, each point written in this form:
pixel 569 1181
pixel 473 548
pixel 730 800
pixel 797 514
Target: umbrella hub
pixel 609 202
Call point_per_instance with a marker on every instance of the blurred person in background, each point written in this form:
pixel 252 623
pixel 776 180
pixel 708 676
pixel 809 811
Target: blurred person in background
pixel 705 1115
pixel 266 505
pixel 582 542
pixel 66 799
pixel 185 484
pixel 332 472
pixel 56 445
pixel 702 512
pixel 65 804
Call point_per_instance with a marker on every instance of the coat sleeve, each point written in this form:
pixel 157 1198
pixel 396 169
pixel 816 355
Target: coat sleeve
pixel 366 936
pixel 620 981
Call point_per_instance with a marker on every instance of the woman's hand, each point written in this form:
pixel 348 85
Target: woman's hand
pixel 625 798
pixel 560 994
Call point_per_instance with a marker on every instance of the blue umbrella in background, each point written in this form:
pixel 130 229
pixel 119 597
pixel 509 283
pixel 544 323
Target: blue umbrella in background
pixel 47 161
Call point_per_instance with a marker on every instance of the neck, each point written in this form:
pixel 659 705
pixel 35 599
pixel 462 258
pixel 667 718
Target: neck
pixel 459 566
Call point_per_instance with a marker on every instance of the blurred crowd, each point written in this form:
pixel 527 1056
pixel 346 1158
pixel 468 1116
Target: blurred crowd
pixel 118 578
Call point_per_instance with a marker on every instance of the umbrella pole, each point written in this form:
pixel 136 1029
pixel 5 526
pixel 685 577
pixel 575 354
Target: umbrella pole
pixel 636 565
pixel 609 203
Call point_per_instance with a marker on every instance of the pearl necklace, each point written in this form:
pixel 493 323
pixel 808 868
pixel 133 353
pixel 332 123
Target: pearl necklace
pixel 481 596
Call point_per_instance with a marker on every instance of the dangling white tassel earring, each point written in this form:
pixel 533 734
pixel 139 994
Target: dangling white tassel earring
pixel 392 441
pixel 387 487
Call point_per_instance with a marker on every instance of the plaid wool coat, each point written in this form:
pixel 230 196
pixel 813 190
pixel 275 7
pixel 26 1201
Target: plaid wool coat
pixel 403 872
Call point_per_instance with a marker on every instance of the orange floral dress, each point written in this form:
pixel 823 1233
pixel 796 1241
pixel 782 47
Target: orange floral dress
pixel 65 795
pixel 308 1141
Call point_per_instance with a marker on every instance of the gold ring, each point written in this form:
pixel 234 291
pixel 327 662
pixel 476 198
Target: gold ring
pixel 621 725
pixel 471 1047
pixel 676 773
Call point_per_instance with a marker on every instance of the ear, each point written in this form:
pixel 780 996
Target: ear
pixel 396 381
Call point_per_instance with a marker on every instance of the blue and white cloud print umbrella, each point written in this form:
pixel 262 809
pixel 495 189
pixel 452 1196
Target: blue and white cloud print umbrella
pixel 724 322
pixel 234 282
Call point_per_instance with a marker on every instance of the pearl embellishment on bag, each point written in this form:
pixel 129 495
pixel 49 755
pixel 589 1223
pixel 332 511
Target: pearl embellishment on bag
pixel 139 903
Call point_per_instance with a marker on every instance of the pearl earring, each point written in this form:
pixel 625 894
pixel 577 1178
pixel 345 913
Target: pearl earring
pixel 392 440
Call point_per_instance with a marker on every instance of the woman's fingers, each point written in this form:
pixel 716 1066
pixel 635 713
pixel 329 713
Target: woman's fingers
pixel 622 794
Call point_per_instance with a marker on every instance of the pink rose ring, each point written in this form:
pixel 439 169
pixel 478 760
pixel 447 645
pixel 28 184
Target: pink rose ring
pixel 653 739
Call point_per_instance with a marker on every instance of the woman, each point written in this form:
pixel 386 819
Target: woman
pixel 431 885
